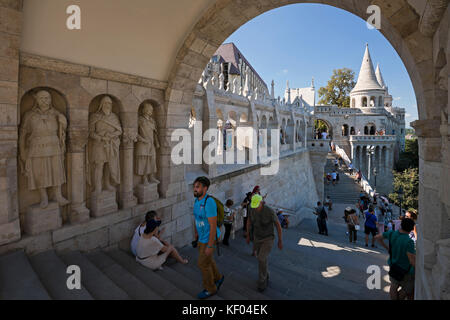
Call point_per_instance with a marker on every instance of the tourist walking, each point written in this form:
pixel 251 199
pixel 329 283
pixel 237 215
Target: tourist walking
pixel 334 177
pixel 264 220
pixel 206 234
pixel 245 206
pixel 322 218
pixel 228 219
pixel 412 215
pixel 151 252
pixel 402 260
pixel 380 219
pixel 352 224
pixel 370 226
pixel 329 203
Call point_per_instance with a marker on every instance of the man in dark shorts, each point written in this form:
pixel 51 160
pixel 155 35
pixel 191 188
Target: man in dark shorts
pixel 370 226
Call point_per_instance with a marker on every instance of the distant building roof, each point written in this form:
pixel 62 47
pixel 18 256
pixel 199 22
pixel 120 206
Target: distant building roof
pixel 367 79
pixel 231 54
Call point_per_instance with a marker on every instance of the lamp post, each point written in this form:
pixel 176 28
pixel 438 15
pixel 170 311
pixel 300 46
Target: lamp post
pixel 370 152
pixel 375 175
pixel 400 197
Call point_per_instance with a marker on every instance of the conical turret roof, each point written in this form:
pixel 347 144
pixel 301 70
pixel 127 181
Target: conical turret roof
pixel 367 79
pixel 380 77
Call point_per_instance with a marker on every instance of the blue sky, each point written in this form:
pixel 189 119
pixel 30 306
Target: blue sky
pixel 301 41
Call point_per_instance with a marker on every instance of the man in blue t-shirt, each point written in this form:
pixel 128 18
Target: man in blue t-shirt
pixel 206 234
pixel 370 226
pixel 403 256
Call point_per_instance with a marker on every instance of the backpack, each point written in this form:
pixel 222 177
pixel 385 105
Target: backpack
pixel 220 210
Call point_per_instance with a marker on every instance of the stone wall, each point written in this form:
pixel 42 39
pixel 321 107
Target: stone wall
pixel 76 91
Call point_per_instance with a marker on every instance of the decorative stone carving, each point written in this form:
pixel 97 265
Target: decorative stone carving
pixel 145 159
pixel 146 146
pixel 221 81
pixel 42 147
pixel 235 86
pixel 103 149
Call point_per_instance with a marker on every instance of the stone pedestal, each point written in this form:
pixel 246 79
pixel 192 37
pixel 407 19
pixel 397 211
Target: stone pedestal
pixel 39 220
pixel 103 203
pixel 79 214
pixel 147 193
pixel 127 200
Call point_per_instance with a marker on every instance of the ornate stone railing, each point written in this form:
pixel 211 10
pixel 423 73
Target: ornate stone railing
pixel 373 138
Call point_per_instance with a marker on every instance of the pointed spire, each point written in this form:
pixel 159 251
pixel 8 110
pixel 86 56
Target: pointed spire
pixel 380 76
pixel 287 84
pixel 367 79
pixel 312 83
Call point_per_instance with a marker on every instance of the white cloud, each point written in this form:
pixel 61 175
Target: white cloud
pixel 285 71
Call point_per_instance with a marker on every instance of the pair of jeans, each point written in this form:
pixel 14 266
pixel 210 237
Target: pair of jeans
pixel 322 224
pixel 208 268
pixel 226 237
pixel 352 232
pixel 263 248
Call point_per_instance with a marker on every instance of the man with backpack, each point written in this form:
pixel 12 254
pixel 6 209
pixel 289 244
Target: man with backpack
pixel 402 260
pixel 206 234
pixel 321 218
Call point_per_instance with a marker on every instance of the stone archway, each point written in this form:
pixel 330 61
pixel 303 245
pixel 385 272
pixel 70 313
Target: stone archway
pixel 402 26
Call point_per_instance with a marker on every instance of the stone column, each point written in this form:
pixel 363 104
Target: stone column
pixel 379 162
pixel 433 219
pixel 10 32
pixel 77 183
pixel 359 152
pixel 126 193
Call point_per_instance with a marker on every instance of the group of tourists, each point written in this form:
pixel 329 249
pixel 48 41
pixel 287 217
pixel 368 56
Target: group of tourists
pixel 260 223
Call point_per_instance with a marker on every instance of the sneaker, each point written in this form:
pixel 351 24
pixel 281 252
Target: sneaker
pixel 205 294
pixel 219 282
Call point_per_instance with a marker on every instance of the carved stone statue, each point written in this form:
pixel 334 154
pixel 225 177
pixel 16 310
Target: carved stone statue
pixel 104 133
pixel 221 81
pixel 42 147
pixel 235 86
pixel 145 161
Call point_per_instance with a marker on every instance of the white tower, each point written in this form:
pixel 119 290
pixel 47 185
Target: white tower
pixel 368 93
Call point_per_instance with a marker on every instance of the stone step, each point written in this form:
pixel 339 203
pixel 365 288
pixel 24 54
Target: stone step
pixel 226 292
pixel 93 279
pixel 18 280
pixel 52 272
pixel 247 274
pixel 308 265
pixel 135 288
pixel 150 278
pixel 186 284
pixel 294 281
pixel 231 279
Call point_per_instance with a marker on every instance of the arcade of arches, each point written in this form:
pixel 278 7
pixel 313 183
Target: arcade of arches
pixel 169 53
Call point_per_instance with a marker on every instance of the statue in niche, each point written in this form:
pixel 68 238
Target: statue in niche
pixel 103 153
pixel 42 148
pixel 146 146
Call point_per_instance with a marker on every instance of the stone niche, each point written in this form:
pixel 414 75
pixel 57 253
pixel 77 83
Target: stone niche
pixel 35 219
pixel 103 185
pixel 147 191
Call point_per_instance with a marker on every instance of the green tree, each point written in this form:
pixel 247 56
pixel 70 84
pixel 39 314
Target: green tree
pixel 410 157
pixel 337 91
pixel 321 125
pixel 409 181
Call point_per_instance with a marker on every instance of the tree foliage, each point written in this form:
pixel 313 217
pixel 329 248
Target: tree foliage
pixel 409 181
pixel 321 126
pixel 410 157
pixel 337 91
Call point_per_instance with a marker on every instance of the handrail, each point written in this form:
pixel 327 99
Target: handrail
pixel 364 182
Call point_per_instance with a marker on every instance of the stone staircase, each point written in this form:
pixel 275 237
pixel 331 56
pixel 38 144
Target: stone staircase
pixel 310 266
pixel 346 190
